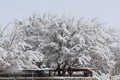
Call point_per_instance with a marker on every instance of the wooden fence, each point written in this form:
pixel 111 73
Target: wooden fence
pixel 47 78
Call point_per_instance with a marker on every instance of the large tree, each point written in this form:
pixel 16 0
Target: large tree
pixel 67 42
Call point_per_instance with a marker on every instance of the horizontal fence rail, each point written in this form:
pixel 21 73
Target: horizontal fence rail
pixel 47 78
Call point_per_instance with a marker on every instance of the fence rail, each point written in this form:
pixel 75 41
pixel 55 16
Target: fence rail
pixel 47 78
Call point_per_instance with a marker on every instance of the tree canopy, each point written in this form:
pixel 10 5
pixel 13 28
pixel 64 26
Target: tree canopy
pixel 51 40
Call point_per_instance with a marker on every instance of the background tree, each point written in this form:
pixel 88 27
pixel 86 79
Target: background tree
pixel 13 57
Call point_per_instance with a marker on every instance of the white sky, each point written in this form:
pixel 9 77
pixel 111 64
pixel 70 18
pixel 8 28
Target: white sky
pixel 108 11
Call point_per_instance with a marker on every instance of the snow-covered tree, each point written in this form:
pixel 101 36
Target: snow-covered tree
pixel 115 32
pixel 13 54
pixel 3 53
pixel 65 41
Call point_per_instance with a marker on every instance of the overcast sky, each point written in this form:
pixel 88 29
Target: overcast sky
pixel 108 11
